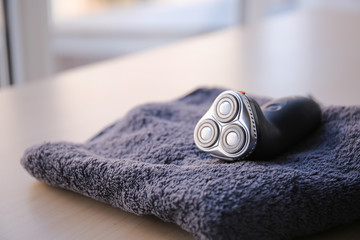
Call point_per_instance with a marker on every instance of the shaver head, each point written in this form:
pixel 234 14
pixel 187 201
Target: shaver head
pixel 227 130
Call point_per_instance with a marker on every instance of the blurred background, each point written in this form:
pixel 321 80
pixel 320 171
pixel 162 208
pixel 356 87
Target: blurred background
pixel 45 37
pixel 41 38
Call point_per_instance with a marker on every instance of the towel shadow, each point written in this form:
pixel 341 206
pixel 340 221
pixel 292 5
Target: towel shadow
pixel 349 231
pixel 70 214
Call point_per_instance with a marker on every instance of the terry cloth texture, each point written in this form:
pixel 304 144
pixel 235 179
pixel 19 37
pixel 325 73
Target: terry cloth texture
pixel 147 163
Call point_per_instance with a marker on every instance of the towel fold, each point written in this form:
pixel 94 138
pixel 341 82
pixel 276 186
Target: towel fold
pixel 147 163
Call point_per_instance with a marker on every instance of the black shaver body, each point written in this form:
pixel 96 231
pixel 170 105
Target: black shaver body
pixel 236 127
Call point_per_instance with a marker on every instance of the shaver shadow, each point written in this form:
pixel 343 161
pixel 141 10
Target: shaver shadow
pixel 310 147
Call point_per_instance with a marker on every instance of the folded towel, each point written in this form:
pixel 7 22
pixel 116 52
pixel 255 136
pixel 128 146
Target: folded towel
pixel 147 163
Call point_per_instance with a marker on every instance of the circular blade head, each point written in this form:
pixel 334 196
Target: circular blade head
pixel 206 133
pixel 226 108
pixel 232 138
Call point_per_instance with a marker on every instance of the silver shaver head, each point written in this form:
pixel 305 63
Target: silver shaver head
pixel 227 130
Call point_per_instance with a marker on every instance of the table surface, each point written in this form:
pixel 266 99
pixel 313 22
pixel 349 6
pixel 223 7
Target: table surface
pixel 321 58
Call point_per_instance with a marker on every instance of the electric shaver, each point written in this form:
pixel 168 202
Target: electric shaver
pixel 236 127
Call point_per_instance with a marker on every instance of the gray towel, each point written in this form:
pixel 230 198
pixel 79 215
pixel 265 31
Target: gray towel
pixel 147 163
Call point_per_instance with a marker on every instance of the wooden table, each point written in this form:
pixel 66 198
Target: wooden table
pixel 322 59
